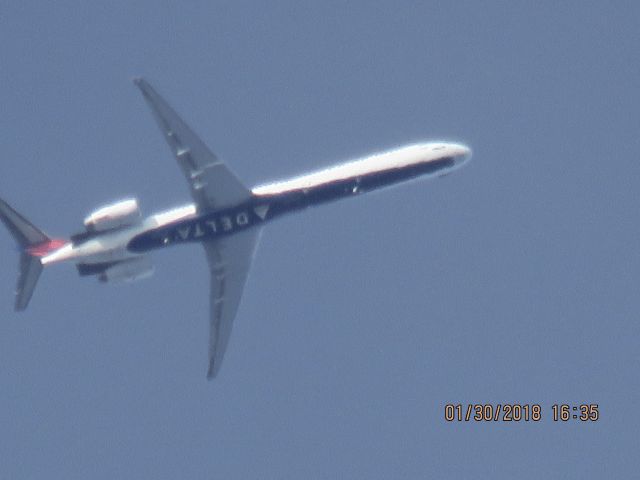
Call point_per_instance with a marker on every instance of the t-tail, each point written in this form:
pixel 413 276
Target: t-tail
pixel 33 245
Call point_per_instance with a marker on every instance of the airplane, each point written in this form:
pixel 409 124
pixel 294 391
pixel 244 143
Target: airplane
pixel 226 217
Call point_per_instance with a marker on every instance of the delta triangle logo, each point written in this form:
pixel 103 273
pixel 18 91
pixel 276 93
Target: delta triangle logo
pixel 261 211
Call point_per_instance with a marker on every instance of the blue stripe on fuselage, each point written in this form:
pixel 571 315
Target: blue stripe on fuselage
pixel 202 228
pixel 260 208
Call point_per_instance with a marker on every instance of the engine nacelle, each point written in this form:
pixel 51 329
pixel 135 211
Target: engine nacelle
pixel 128 270
pixel 120 214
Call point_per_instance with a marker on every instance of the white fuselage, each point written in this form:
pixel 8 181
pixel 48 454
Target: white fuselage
pixel 391 160
pixel 112 246
pixel 389 167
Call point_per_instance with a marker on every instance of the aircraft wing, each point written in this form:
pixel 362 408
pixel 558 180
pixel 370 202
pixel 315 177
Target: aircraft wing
pixel 212 184
pixel 229 262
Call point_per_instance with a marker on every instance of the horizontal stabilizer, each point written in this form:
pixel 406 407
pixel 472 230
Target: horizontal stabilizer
pixel 34 243
pixel 30 269
pixel 22 230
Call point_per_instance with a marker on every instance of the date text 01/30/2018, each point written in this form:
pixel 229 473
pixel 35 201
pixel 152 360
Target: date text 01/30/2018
pixel 516 412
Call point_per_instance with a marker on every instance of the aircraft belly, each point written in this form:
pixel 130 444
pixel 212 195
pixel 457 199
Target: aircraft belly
pixel 109 255
pixel 299 198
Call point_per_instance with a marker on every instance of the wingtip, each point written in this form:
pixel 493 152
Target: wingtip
pixel 211 372
pixel 140 82
pixel 146 89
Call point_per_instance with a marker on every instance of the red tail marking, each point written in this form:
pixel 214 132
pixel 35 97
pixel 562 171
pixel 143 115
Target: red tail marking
pixel 42 249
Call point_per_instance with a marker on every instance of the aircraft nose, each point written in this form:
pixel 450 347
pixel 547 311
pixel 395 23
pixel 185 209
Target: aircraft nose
pixel 461 153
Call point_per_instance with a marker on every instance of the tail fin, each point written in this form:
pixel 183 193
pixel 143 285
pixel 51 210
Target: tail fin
pixel 28 237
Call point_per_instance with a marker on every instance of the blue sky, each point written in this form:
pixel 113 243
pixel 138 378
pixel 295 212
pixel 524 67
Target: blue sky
pixel 513 280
